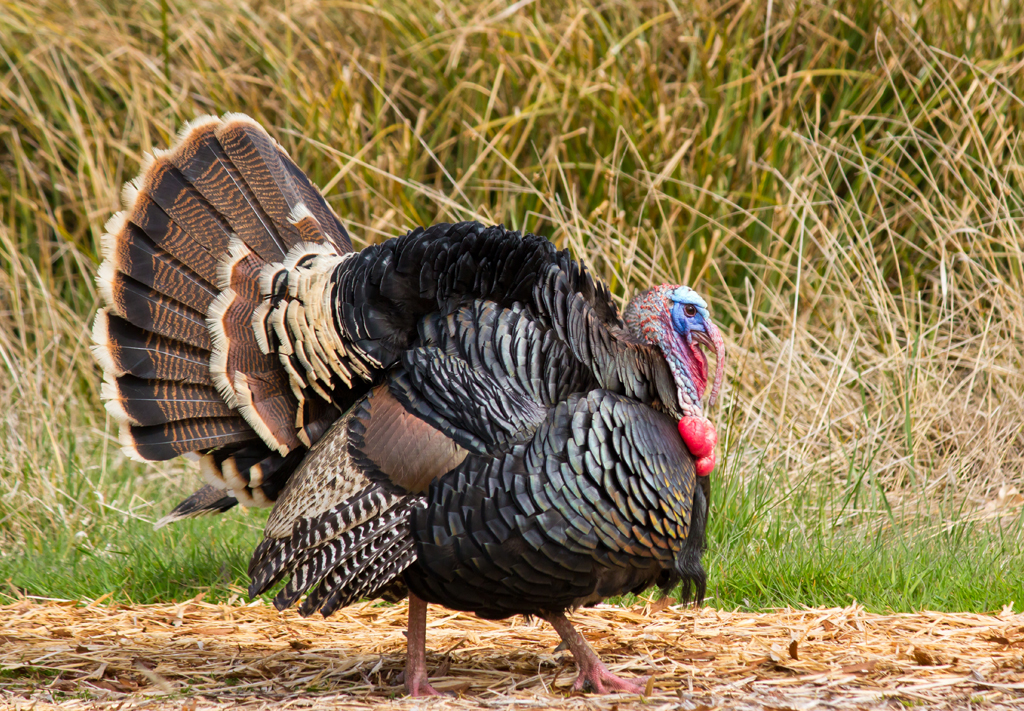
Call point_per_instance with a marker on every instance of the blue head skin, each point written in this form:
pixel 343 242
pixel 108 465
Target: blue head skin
pixel 677 320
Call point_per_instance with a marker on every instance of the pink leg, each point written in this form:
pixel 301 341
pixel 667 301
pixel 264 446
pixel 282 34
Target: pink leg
pixel 593 672
pixel 416 683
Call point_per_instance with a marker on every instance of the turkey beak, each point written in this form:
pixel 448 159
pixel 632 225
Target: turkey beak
pixel 712 338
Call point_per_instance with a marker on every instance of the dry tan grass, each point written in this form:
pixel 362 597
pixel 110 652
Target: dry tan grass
pixel 850 201
pixel 198 655
pixel 841 355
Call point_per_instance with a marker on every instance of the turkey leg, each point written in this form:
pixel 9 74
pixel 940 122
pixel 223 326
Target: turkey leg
pixel 416 683
pixel 593 673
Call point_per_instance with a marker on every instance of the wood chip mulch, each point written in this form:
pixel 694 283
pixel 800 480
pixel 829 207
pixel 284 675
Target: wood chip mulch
pixel 197 655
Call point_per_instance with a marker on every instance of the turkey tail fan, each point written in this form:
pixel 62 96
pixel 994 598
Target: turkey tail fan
pixel 180 278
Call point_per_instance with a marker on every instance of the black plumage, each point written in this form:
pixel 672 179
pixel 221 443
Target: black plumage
pixel 458 414
pixel 572 517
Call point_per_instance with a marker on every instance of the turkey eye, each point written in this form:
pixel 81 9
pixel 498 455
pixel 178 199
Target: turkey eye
pixel 690 310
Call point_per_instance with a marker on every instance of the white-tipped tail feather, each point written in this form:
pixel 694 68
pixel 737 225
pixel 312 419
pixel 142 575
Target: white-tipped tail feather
pixel 269 278
pixel 236 117
pixel 210 472
pixel 237 251
pixel 101 344
pixel 259 326
pixel 148 159
pixel 130 193
pixel 113 404
pixel 108 240
pixel 124 437
pixel 232 477
pixel 299 213
pixel 105 283
pixel 247 407
pixel 259 498
pixel 221 342
pixel 184 133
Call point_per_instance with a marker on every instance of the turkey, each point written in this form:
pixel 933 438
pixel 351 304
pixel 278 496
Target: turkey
pixel 458 415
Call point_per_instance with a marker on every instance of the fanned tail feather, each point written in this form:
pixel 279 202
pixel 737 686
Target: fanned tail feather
pixel 183 371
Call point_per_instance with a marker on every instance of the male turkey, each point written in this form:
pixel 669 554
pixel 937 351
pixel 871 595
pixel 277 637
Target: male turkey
pixel 458 414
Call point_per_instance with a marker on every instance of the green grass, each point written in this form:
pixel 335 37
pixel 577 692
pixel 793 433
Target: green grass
pixel 140 565
pixel 802 550
pixel 765 551
pixel 970 569
pixel 841 179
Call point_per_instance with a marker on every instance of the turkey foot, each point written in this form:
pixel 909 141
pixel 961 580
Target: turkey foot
pixel 700 438
pixel 416 683
pixel 593 673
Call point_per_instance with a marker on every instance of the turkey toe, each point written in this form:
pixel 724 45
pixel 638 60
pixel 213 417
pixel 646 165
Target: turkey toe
pixel 598 679
pixel 594 675
pixel 421 687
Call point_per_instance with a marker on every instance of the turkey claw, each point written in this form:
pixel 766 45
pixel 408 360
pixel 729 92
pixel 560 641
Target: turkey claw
pixel 599 680
pixel 422 688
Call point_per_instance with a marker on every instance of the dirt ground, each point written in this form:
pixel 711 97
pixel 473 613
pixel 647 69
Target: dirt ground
pixel 196 655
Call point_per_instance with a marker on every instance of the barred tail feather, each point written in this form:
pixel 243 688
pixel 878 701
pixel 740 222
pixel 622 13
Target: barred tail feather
pixel 165 441
pixel 121 348
pixel 138 401
pixel 208 500
pixel 183 371
pixel 129 251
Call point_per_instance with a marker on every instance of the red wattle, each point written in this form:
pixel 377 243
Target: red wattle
pixel 700 438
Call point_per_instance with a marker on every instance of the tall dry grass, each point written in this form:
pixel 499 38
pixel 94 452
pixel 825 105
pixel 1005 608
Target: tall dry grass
pixel 843 181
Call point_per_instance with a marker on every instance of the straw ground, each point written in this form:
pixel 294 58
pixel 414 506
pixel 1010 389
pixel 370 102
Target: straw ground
pixel 196 655
pixel 843 182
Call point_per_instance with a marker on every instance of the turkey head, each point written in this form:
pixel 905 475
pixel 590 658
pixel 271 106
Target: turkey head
pixel 676 320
